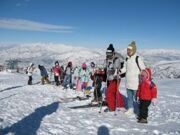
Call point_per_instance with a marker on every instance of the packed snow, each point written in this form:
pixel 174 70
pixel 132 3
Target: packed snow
pixel 45 110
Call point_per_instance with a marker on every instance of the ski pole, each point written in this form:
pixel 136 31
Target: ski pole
pixel 103 97
pixel 96 87
pixel 117 90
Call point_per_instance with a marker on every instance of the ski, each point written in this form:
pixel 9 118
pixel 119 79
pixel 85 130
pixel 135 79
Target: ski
pixel 66 100
pixel 84 106
pixel 88 105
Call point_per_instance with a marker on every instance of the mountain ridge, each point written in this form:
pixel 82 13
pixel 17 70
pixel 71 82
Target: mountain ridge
pixel 165 63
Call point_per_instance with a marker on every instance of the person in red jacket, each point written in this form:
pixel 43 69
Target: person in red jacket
pixel 147 93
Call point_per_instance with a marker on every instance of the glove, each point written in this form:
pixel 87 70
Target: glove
pixel 154 101
pixel 137 99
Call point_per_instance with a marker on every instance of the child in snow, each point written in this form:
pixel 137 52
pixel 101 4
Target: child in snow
pixel 75 77
pixel 68 74
pixel 146 94
pixel 84 76
pixel 57 71
pixel 30 70
pixel 98 78
pixel 62 74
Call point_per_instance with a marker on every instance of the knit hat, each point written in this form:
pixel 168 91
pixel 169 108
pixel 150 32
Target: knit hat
pixel 31 64
pixel 56 63
pixel 132 46
pixel 110 48
pixel 110 51
pixel 84 65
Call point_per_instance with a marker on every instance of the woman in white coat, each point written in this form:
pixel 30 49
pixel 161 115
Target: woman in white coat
pixel 132 67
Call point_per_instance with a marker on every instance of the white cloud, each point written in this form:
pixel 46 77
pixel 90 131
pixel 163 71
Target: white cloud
pixel 21 24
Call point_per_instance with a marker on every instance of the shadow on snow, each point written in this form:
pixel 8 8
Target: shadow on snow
pixel 31 123
pixel 103 130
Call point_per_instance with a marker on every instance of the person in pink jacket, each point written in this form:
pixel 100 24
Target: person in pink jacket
pixel 147 93
pixel 56 71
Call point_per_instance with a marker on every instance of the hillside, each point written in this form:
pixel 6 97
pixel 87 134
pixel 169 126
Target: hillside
pixel 164 62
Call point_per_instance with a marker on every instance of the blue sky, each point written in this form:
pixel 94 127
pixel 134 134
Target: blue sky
pixel 92 23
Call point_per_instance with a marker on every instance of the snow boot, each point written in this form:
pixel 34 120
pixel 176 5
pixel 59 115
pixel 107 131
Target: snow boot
pixel 142 120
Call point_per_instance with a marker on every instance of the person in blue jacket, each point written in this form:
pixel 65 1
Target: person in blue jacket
pixel 44 74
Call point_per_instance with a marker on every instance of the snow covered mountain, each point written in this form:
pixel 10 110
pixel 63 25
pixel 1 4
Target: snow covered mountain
pixel 164 62
pixel 48 53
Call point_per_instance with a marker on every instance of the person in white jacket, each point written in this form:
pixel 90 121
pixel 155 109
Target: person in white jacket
pixel 133 65
pixel 30 70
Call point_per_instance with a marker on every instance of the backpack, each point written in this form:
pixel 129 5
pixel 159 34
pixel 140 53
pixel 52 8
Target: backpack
pixel 122 64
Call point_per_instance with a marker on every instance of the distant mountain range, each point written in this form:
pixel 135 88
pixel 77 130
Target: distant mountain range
pixel 165 63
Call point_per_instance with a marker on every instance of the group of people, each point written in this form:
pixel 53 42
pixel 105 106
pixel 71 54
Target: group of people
pixel 141 90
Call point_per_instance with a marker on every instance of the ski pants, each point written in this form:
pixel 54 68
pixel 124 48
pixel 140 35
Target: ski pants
pixel 45 78
pixel 56 79
pixel 143 108
pixel 97 90
pixel 30 80
pixel 113 96
pixel 67 80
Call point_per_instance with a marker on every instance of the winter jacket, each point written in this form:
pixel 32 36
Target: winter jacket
pixel 43 71
pixel 112 65
pixel 56 70
pixel 84 75
pixel 132 71
pixel 30 70
pixel 76 72
pixel 68 70
pixel 147 89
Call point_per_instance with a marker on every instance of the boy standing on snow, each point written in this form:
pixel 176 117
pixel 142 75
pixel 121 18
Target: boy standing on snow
pixel 146 93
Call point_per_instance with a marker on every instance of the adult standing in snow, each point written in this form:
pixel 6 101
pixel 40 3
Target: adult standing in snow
pixel 44 74
pixel 113 64
pixel 132 67
pixel 30 70
pixel 57 71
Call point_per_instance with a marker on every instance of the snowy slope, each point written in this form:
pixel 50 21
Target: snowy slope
pixel 30 110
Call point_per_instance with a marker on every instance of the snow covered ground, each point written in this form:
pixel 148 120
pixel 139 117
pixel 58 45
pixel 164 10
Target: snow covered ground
pixel 31 110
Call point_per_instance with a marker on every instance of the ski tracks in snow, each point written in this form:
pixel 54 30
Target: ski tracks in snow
pixel 37 109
